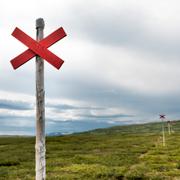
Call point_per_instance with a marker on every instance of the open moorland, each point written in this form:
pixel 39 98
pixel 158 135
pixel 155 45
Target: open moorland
pixel 121 152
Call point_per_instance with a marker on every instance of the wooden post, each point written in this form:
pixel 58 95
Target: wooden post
pixel 40 109
pixel 163 134
pixel 169 127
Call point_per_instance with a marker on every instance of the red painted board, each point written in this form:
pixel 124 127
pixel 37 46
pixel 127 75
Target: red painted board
pixel 46 42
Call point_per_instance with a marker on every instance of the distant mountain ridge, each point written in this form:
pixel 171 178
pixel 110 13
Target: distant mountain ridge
pixel 134 128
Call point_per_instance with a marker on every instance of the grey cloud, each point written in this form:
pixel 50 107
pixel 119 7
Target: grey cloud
pixel 8 130
pixel 124 27
pixel 114 116
pixel 17 125
pixel 105 95
pixel 14 105
pixel 111 28
pixel 14 117
pixel 71 107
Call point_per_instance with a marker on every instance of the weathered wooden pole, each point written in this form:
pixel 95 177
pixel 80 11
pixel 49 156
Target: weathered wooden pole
pixel 163 134
pixel 169 127
pixel 40 109
pixel 162 117
pixel 38 49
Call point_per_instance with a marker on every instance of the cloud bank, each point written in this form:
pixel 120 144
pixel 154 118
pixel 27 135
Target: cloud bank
pixel 121 64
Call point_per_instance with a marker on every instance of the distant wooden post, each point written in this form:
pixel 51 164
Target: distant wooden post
pixel 40 109
pixel 162 117
pixel 169 127
pixel 164 140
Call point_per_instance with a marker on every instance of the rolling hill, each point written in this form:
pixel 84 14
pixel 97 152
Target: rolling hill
pixel 121 152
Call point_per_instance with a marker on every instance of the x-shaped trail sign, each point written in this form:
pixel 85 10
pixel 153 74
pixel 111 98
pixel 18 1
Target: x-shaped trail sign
pixel 38 48
pixel 162 116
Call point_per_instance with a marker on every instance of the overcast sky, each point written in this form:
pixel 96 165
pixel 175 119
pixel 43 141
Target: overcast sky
pixel 122 60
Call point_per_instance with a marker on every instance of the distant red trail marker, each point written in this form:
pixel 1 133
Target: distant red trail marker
pixel 38 48
pixel 162 116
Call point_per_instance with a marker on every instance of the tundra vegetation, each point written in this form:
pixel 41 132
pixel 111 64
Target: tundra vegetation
pixel 121 152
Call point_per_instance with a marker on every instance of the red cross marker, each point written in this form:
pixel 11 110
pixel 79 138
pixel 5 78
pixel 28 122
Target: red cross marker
pixel 38 48
pixel 162 116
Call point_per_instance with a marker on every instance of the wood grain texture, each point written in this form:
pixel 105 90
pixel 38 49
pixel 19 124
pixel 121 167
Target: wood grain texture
pixel 40 110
